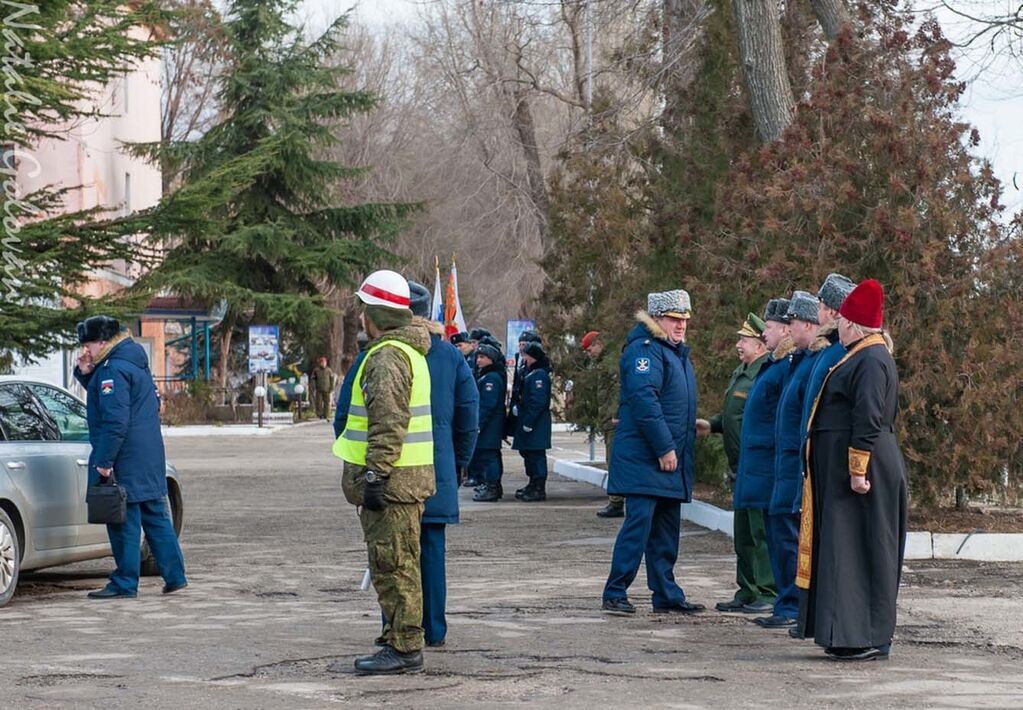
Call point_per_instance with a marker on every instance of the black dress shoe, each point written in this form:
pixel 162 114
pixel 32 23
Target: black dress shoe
pixel 108 593
pixel 774 622
pixel 611 510
pixel 757 608
pixel 856 654
pixel 794 633
pixel 390 661
pixel 733 605
pixel 471 482
pixel 680 608
pixel 171 588
pixel 619 605
pixel 435 644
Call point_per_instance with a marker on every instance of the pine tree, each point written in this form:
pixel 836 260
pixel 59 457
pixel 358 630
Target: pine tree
pixel 58 53
pixel 256 221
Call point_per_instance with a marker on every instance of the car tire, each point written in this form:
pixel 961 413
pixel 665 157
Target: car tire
pixel 10 558
pixel 149 567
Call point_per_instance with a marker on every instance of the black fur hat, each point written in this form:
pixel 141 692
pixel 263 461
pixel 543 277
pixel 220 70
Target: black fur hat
pixel 98 328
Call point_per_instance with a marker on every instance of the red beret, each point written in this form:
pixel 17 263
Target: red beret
pixel 589 338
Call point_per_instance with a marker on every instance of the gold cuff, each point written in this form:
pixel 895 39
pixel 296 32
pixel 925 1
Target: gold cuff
pixel 858 462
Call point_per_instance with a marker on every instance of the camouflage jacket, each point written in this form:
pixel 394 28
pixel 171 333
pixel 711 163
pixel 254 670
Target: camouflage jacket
pixel 387 383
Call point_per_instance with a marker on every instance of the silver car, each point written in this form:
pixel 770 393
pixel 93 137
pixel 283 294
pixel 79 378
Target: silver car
pixel 44 455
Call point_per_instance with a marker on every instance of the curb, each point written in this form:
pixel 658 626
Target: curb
pixel 983 547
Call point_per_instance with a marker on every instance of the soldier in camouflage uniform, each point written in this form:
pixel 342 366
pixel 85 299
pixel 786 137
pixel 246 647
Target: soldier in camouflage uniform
pixel 393 482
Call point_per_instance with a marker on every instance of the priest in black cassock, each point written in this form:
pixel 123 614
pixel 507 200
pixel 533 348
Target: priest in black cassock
pixel 853 529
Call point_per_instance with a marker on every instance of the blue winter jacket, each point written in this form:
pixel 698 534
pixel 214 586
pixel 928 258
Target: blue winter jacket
pixel 754 481
pixel 828 356
pixel 123 411
pixel 454 405
pixel 534 410
pixel 787 496
pixel 492 384
pixel 657 414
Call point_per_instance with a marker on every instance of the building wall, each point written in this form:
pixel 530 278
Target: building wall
pixel 90 158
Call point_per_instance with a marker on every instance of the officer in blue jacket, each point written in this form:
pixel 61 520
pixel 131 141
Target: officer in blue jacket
pixel 533 423
pixel 830 297
pixel 486 460
pixel 123 411
pixel 652 460
pixel 454 405
pixel 787 494
pixel 754 480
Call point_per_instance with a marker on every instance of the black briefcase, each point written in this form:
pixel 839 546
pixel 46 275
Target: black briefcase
pixel 107 502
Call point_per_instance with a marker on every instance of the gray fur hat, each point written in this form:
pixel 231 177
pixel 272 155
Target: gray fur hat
pixel 675 304
pixel 777 310
pixel 803 306
pixel 834 290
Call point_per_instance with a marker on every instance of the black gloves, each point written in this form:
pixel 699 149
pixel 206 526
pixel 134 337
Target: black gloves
pixel 373 496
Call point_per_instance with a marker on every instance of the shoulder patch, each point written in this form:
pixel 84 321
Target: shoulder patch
pixel 106 387
pixel 539 384
pixel 642 366
pixel 489 387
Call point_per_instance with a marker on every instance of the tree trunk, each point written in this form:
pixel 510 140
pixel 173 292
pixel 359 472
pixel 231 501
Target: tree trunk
pixel 682 21
pixel 832 14
pixel 350 335
pixel 224 340
pixel 763 66
pixel 525 126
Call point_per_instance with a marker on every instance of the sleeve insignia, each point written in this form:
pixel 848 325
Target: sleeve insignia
pixel 642 366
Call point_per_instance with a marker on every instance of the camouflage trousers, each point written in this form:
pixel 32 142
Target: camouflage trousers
pixel 392 541
pixel 609 440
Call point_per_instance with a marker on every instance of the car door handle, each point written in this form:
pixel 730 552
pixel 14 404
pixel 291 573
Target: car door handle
pixel 81 462
pixel 15 465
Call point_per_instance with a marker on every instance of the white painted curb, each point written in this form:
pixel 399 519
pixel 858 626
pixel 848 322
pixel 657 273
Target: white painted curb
pixel 986 547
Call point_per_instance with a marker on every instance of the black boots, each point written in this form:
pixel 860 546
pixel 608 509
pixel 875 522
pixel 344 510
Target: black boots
pixel 612 510
pixel 389 661
pixel 489 493
pixel 535 492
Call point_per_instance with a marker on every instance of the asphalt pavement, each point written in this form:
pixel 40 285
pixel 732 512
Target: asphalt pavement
pixel 275 560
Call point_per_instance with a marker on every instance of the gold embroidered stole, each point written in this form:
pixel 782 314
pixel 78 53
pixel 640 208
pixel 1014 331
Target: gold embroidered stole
pixel 806 522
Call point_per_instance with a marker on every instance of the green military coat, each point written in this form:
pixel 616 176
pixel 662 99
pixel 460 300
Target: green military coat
pixel 729 422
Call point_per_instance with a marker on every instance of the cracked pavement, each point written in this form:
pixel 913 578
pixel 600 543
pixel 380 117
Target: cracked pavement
pixel 275 561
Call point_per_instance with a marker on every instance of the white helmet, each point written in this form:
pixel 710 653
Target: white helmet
pixel 385 288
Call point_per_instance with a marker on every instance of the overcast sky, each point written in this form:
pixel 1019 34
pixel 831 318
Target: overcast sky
pixel 994 103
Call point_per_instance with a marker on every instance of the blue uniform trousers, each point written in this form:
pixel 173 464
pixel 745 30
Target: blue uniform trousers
pixel 486 465
pixel 651 529
pixel 783 547
pixel 126 542
pixel 435 591
pixel 536 462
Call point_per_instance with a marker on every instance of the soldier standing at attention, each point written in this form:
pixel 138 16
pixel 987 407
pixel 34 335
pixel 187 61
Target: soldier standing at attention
pixel 387 448
pixel 756 591
pixel 322 381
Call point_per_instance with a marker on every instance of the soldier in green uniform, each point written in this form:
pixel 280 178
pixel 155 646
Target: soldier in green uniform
pixel 753 568
pixel 601 392
pixel 387 448
pixel 322 381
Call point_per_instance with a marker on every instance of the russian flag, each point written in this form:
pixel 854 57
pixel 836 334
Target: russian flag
pixel 437 310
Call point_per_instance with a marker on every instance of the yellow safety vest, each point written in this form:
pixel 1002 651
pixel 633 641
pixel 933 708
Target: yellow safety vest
pixel 417 450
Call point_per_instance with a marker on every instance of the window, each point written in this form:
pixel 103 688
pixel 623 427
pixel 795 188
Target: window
pixel 66 411
pixel 22 418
